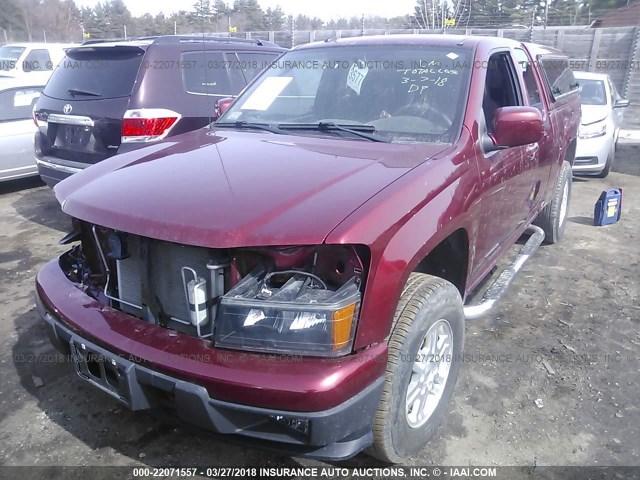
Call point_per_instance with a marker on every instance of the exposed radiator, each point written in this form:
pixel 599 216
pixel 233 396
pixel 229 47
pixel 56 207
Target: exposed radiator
pixel 167 260
pixel 128 275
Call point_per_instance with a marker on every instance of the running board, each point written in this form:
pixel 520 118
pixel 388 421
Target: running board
pixel 501 284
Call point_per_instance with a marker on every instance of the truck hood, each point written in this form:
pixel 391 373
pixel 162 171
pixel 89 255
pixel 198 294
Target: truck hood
pixel 224 189
pixel 594 113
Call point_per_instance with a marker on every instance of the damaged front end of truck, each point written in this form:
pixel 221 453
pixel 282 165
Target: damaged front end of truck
pixel 250 341
pixel 286 300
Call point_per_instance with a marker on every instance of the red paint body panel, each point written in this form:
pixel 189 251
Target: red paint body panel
pixel 302 384
pixel 223 189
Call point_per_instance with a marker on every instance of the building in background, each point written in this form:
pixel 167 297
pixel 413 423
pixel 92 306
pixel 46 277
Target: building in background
pixel 627 16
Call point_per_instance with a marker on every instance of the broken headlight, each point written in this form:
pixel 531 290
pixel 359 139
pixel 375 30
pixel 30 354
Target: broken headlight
pixel 290 312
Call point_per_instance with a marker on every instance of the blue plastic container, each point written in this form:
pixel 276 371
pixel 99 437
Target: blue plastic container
pixel 608 207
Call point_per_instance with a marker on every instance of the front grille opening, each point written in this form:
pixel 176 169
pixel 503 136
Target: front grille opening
pixel 586 161
pixel 155 279
pixel 93 365
pixel 111 375
pixel 164 398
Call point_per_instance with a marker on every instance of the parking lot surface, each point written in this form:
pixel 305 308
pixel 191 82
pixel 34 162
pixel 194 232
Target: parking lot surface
pixel 550 377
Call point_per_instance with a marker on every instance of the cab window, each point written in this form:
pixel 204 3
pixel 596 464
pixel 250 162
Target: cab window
pixel 502 88
pixel 531 84
pixel 559 76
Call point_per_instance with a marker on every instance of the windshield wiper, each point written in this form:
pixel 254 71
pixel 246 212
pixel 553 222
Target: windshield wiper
pixel 251 125
pixel 363 131
pixel 74 91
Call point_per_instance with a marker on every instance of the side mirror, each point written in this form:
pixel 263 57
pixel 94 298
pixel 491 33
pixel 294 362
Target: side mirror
pixel 621 103
pixel 516 126
pixel 222 106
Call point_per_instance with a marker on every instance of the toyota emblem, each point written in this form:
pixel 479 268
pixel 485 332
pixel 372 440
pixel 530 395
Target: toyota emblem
pixel 67 109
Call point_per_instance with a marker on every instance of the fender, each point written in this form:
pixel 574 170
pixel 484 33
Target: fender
pixel 403 223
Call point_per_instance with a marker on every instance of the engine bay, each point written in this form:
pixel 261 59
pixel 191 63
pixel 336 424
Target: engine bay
pixel 264 299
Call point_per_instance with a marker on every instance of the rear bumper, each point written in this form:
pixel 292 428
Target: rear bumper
pixel 254 407
pixel 51 171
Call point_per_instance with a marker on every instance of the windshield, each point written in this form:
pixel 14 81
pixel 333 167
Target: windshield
pixel 9 56
pixel 400 93
pixel 592 92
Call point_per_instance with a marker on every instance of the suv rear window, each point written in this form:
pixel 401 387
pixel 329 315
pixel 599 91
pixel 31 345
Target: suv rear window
pixel 559 76
pixel 99 72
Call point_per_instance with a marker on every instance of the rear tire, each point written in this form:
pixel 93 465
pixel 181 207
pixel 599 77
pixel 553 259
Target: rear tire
pixel 418 384
pixel 553 218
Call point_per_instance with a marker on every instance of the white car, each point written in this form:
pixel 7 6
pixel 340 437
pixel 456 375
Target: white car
pixel 17 128
pixel 602 111
pixel 32 62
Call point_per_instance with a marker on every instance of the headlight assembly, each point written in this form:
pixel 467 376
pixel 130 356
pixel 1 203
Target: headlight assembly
pixel 592 131
pixel 290 312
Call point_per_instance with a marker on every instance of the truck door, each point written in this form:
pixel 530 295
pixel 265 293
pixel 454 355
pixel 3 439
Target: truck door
pixel 538 157
pixel 504 174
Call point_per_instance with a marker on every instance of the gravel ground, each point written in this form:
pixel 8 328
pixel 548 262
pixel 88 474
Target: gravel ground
pixel 551 378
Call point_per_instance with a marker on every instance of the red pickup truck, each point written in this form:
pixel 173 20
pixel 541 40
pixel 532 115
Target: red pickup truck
pixel 298 274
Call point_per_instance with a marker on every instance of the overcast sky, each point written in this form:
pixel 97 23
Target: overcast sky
pixel 325 9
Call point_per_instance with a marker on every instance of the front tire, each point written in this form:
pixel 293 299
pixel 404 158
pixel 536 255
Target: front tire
pixel 553 218
pixel 424 352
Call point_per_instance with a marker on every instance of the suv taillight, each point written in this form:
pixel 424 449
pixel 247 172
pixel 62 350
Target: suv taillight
pixel 34 115
pixel 148 124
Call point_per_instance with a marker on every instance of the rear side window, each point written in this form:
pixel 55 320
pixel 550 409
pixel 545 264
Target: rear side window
pixel 559 76
pixel 90 73
pixel 38 61
pixel 9 56
pixel 212 73
pixel 253 63
pixel 17 104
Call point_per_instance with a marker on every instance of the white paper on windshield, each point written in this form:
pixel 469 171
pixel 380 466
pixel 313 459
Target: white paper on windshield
pixel 356 76
pixel 266 93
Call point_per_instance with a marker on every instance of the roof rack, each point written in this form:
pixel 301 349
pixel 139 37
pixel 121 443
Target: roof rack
pixel 176 39
pixel 110 40
pixel 169 39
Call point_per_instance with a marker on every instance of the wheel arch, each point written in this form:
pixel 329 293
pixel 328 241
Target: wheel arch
pixel 570 152
pixel 448 260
